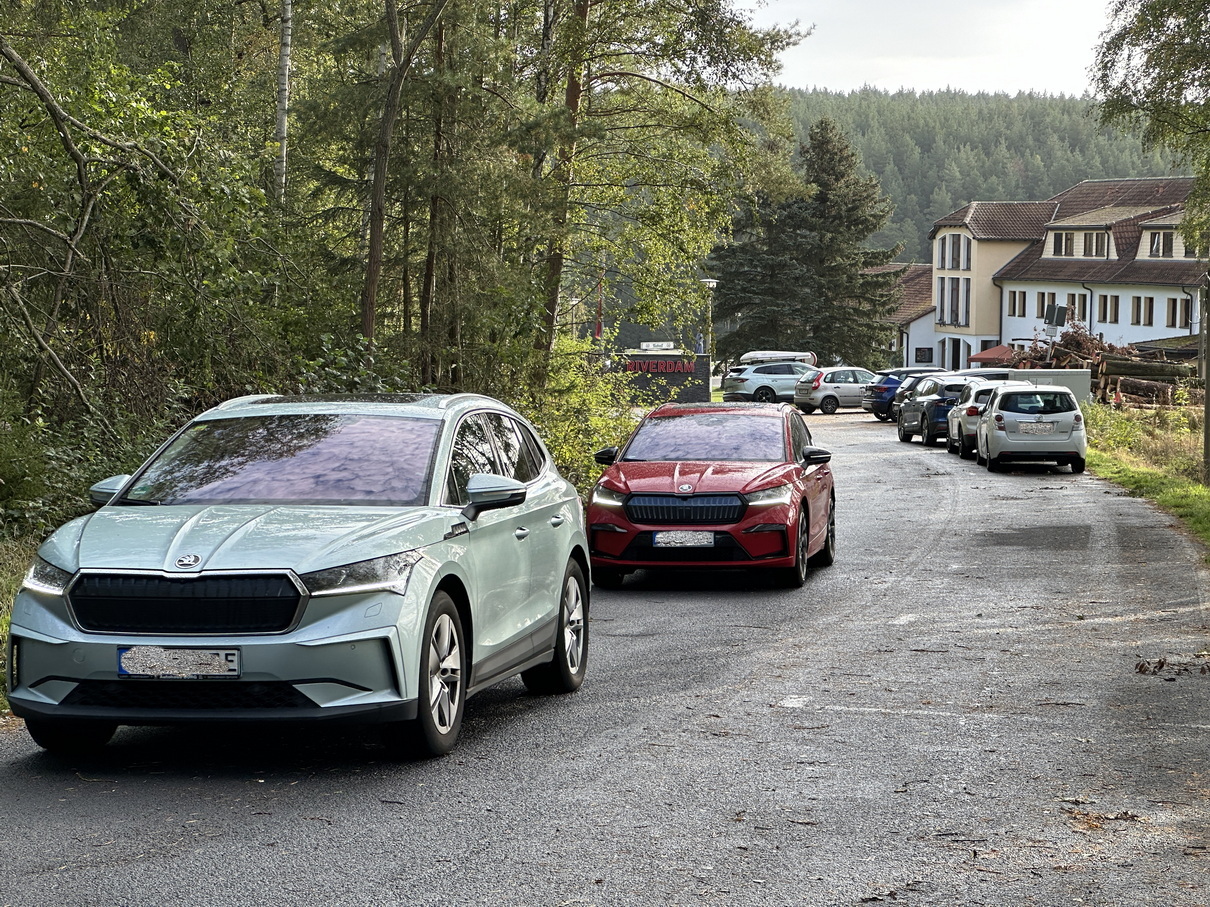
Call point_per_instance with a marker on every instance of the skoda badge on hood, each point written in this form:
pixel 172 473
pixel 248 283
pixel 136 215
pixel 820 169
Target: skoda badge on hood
pixel 185 561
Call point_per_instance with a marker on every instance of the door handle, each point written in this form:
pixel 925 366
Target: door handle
pixel 521 532
pixel 556 520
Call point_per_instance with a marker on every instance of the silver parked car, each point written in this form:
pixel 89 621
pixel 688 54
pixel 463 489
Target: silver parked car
pixel 963 418
pixel 829 389
pixel 1040 423
pixel 768 382
pixel 369 558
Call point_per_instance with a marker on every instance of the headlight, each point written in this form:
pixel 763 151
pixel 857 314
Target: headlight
pixel 607 497
pixel 382 574
pixel 770 497
pixel 46 578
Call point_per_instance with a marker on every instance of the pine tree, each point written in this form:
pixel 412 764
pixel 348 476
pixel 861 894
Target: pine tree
pixel 799 276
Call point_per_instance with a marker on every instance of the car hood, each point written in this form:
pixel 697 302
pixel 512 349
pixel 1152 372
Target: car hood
pixel 692 477
pixel 241 536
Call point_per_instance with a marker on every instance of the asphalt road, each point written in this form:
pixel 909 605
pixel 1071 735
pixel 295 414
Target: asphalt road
pixel 998 695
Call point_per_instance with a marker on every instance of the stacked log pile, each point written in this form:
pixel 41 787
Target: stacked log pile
pixel 1133 380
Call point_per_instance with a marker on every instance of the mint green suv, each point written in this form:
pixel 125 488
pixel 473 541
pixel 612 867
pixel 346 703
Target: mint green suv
pixel 369 559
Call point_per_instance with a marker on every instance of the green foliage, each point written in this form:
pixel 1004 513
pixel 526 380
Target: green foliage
pixel 15 557
pixel 352 368
pixel 585 407
pixel 799 275
pixel 933 152
pixel 1151 76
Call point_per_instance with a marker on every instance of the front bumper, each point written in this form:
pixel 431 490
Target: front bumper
pixel 343 661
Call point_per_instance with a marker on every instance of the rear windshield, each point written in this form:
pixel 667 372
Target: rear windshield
pixel 710 436
pixel 299 459
pixel 1034 402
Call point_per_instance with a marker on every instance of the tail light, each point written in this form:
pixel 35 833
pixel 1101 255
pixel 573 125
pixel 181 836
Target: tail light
pixel 972 410
pixel 815 383
pixel 1000 423
pixel 1078 424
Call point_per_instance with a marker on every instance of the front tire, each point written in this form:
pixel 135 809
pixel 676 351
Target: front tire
pixel 441 692
pixel 794 577
pixel 829 405
pixel 564 673
pixel 826 556
pixel 70 738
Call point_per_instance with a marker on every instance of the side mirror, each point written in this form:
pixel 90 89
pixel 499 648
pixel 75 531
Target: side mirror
pixel 103 492
pixel 815 456
pixel 491 492
pixel 606 456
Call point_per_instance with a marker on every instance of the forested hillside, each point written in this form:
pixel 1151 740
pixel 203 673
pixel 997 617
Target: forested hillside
pixel 934 152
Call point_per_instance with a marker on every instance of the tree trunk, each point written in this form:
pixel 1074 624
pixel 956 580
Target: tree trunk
pixel 283 96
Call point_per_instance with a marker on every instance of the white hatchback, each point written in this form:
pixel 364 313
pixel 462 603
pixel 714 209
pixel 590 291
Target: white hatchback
pixel 1032 423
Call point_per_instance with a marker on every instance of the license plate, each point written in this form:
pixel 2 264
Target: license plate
pixel 156 661
pixel 682 538
pixel 1036 428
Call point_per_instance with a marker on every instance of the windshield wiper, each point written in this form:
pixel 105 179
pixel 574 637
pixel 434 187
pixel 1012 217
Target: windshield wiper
pixel 136 502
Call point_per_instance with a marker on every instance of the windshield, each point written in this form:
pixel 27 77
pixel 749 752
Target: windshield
pixel 309 458
pixel 710 436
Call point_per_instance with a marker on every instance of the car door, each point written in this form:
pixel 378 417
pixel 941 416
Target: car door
pixel 856 390
pixel 547 518
pixel 497 558
pixel 814 480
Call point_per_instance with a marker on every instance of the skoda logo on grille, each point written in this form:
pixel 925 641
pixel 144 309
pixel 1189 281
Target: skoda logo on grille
pixel 685 488
pixel 185 561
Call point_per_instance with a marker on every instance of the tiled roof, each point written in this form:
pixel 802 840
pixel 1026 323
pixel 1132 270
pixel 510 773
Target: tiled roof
pixel 1171 272
pixel 1168 220
pixel 1001 220
pixel 1101 217
pixel 916 285
pixel 1147 193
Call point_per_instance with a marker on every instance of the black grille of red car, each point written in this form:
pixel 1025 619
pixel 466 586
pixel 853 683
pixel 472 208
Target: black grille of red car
pixel 670 509
pixel 219 604
pixel 186 695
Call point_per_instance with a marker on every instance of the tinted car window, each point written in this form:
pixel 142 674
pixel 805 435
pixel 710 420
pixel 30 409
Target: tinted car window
pixel 472 454
pixel 517 459
pixel 709 436
pixel 800 436
pixel 311 458
pixel 925 387
pixel 952 389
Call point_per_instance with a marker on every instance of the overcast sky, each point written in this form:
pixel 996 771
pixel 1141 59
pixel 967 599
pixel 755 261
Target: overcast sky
pixel 979 45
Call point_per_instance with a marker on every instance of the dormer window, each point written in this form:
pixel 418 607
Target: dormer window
pixel 1096 245
pixel 1161 244
pixel 1065 244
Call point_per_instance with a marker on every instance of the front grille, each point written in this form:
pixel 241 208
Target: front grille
pixel 148 603
pixel 725 548
pixel 186 695
pixel 669 509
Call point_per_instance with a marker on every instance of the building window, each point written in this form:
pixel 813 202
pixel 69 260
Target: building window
pixel 956 251
pixel 1096 245
pixel 1113 311
pixel 1161 244
pixel 966 253
pixel 924 355
pixel 1016 303
pixel 1083 298
pixel 941 246
pixel 1065 244
pixel 966 300
pixel 1149 310
pixel 1041 313
pixel 1136 309
pixel 941 300
pixel 1186 312
pixel 1171 311
pixel 955 302
pixel 1103 308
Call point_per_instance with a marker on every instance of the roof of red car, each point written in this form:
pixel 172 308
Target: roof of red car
pixel 692 409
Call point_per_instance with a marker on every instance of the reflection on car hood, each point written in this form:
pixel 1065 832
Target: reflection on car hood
pixel 241 536
pixel 653 477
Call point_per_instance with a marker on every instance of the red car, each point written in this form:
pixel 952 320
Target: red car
pixel 731 485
